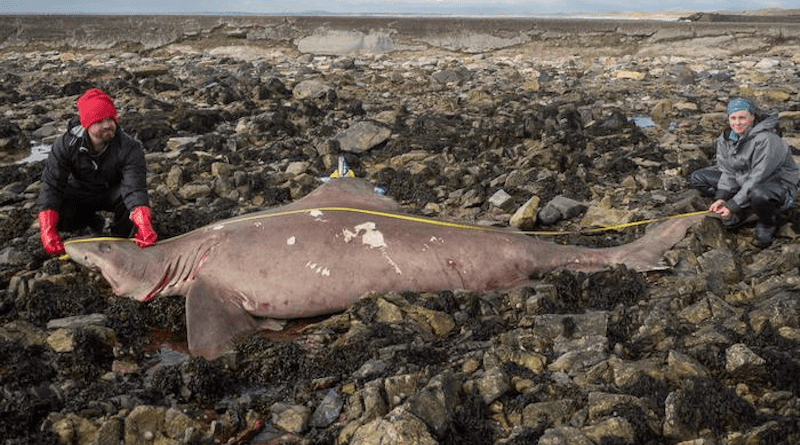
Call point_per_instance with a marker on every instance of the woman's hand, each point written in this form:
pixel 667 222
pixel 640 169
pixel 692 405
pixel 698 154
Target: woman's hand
pixel 719 208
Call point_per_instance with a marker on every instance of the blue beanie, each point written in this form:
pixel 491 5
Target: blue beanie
pixel 740 104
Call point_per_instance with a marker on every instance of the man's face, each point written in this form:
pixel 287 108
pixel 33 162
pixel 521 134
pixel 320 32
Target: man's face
pixel 740 121
pixel 102 131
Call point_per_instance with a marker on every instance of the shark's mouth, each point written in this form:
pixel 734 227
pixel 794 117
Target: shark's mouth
pixel 111 281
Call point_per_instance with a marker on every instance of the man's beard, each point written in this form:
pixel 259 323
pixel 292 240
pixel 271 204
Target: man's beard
pixel 105 134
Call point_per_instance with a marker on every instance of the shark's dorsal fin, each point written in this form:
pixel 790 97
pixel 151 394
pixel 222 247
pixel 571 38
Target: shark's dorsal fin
pixel 346 192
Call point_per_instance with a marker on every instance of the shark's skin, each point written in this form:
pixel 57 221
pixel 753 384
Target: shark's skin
pixel 321 253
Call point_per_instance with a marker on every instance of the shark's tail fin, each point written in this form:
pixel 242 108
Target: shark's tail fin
pixel 646 253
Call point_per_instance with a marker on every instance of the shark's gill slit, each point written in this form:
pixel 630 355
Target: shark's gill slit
pixel 179 271
pixel 161 285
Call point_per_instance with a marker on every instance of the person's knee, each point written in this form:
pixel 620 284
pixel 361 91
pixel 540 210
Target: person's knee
pixel 766 195
pixel 700 180
pixel 765 202
pixel 758 197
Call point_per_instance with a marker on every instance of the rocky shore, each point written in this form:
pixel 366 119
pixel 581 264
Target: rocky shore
pixel 549 125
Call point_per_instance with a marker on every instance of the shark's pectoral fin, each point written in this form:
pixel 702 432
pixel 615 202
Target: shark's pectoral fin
pixel 213 320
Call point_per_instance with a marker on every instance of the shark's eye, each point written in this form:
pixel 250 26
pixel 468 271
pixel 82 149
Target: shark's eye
pixel 104 247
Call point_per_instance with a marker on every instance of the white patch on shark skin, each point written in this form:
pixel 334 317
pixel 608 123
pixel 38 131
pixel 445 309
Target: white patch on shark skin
pixel 319 270
pixel 317 215
pixel 291 241
pixel 348 235
pixel 433 240
pixel 218 227
pixel 397 269
pixel 373 238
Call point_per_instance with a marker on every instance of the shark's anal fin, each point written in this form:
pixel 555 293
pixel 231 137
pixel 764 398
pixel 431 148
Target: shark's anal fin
pixel 213 321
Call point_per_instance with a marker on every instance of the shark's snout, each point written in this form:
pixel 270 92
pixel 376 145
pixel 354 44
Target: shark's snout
pixel 81 254
pixel 119 260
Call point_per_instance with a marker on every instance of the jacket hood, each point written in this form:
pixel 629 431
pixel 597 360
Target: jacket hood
pixel 768 122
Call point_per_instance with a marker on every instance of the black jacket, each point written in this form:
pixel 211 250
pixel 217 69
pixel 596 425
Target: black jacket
pixel 72 165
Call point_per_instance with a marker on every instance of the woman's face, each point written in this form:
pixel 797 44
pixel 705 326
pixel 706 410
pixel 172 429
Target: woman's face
pixel 740 121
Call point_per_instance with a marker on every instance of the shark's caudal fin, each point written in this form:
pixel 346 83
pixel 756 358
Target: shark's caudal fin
pixel 646 253
pixel 213 320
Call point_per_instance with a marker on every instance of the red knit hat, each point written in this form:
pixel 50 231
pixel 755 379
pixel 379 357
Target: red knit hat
pixel 95 106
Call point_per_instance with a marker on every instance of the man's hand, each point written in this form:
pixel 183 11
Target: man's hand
pixel 48 221
pixel 145 235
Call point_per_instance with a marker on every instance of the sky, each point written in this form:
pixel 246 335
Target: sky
pixel 452 7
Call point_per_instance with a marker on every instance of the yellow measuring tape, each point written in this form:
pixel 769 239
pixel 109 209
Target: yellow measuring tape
pixel 344 171
pixel 419 220
pixel 618 226
pixel 464 226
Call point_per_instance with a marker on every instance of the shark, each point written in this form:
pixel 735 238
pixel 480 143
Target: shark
pixel 321 253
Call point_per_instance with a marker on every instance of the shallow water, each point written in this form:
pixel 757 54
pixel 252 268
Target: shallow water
pixel 38 153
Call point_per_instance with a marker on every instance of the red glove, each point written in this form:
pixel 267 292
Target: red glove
pixel 48 221
pixel 145 235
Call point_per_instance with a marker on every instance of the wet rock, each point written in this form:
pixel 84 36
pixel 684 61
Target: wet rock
pixel 398 427
pixel 781 310
pixel 78 321
pixel 555 413
pixel 373 402
pixel 327 411
pixel 434 404
pixel 150 70
pixel 493 384
pixel 720 263
pixel 74 429
pixel 501 200
pixel 615 428
pixel 61 341
pixel 502 354
pixel 742 362
pixel 13 142
pixel 524 217
pixel 559 208
pixel 310 89
pixel 291 418
pixel 370 369
pixel 10 256
pixel 144 424
pixel 564 435
pixel 710 308
pixel 193 192
pixel 702 405
pixel 682 365
pixel 437 323
pixel 362 136
pixel 111 431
